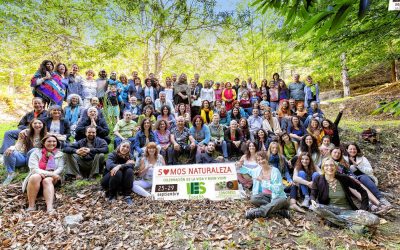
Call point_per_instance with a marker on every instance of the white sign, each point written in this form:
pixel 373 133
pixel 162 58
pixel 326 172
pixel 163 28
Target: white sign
pixel 198 181
pixel 394 4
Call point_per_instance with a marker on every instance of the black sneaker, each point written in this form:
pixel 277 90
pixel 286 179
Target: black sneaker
pixel 128 200
pixel 254 213
pixel 284 213
pixel 112 198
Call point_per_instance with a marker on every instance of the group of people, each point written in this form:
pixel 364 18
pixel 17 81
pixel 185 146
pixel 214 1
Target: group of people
pixel 285 149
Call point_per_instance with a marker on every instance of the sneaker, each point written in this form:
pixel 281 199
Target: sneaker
pixel 112 199
pixel 254 213
pixel 128 200
pixel 306 202
pixel 9 179
pixel 284 213
pixel 384 202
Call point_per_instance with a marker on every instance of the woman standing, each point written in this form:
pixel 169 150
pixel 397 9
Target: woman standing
pixel 332 192
pixel 46 165
pixel 62 71
pixel 150 160
pixel 207 93
pixel 119 173
pixel 17 156
pixel 267 191
pixel 89 88
pixel 228 96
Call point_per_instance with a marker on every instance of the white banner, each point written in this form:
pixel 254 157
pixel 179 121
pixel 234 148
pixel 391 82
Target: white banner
pixel 198 181
pixel 394 4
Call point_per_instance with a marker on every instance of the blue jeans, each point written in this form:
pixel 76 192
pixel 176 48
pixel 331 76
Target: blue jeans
pixel 15 159
pixel 274 106
pixel 223 147
pixel 304 176
pixel 9 139
pixel 370 184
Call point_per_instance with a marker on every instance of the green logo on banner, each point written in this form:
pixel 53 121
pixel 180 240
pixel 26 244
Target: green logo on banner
pixel 195 188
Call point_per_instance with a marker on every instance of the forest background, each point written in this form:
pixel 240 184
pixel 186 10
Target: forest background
pixel 220 40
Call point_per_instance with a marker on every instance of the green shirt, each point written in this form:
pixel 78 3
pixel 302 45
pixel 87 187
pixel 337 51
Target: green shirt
pixel 289 150
pixel 126 130
pixel 338 198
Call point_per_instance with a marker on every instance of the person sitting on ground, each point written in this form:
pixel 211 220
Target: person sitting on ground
pixel 326 146
pixel 118 174
pixel 206 112
pixel 314 112
pixel 57 125
pixel 148 113
pixel 309 145
pixel 289 149
pixel 362 170
pixel 163 135
pixel 301 112
pixel 93 119
pixel 125 129
pixel 150 159
pixel 166 115
pixel 314 129
pixel 133 108
pixel 244 129
pixel 94 102
pixel 217 136
pixel 267 191
pixel 147 102
pixel 234 114
pixel 18 155
pixel 304 174
pixel 12 135
pixel 261 139
pixel 245 103
pixel 162 101
pixel 271 123
pixel 331 128
pixel 200 133
pixel 144 136
pixel 46 166
pixel 85 158
pixel 284 114
pixel 255 123
pixel 277 160
pixel 296 129
pixel 72 112
pixel 234 139
pixel 332 192
pixel 247 160
pixel 182 141
pixel 209 155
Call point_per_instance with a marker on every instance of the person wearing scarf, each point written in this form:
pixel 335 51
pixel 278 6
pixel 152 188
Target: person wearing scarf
pixel 311 92
pixel 46 165
pixel 72 111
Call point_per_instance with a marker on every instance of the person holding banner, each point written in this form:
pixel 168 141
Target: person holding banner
pixel 151 159
pixel 182 141
pixel 267 192
pixel 209 155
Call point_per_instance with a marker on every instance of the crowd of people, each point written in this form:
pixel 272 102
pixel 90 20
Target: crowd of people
pixel 286 151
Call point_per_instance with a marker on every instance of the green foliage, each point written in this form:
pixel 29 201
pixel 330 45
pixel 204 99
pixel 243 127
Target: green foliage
pixel 391 107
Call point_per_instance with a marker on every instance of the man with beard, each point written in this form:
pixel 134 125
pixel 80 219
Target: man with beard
pixel 210 155
pixel 74 82
pixel 101 85
pixel 47 84
pixel 85 158
pixel 182 142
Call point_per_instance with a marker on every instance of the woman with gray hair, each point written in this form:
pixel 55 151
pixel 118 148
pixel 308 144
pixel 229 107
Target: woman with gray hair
pixel 93 119
pixel 72 111
pixel 57 125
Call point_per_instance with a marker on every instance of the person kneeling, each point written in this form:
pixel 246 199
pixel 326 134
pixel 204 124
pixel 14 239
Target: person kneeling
pixel 210 155
pixel 46 165
pixel 85 157
pixel 267 191
pixel 332 191
pixel 119 173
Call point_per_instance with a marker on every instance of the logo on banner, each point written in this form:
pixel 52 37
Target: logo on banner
pixel 394 4
pixel 196 188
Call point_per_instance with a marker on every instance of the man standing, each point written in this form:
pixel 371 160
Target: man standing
pixel 74 82
pixel 85 158
pixel 101 85
pixel 296 89
pixel 182 142
pixel 12 135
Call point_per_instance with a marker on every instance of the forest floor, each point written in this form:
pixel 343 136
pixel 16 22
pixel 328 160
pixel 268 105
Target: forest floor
pixel 207 224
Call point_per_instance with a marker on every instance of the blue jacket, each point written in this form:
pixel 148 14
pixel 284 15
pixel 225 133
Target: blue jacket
pixel 140 140
pixel 64 126
pixel 28 117
pixel 99 147
pixel 135 92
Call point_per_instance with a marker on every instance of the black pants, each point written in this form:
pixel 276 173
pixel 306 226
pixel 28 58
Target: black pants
pixel 121 182
pixel 185 149
pixel 233 150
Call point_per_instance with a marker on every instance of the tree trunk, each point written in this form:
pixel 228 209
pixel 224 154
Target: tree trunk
pixel 157 55
pixel 397 69
pixel 146 67
pixel 345 76
pixel 11 82
pixel 395 73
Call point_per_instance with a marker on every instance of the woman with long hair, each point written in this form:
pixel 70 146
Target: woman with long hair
pixel 228 96
pixel 314 129
pixel 206 111
pixel 163 135
pixel 277 160
pixel 304 174
pixel 62 70
pixel 148 112
pixel 46 166
pixel 296 129
pixel 72 112
pixel 144 136
pixel 309 145
pixel 289 149
pixel 150 159
pixel 118 175
pixel 18 155
pixel 271 123
pixel 167 116
pixel 234 114
pixel 201 134
pixel 261 140
pixel 333 193
pixel 247 160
